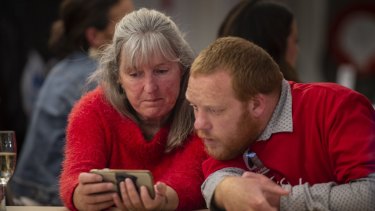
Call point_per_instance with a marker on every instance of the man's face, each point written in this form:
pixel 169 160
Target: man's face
pixel 224 123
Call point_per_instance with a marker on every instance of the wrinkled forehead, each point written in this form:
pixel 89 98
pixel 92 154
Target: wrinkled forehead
pixel 146 49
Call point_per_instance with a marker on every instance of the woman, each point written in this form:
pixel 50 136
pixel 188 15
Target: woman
pixel 137 118
pixel 83 27
pixel 271 26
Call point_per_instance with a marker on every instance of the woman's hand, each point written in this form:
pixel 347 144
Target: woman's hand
pixel 93 194
pixel 165 197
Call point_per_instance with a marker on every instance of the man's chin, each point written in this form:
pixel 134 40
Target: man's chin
pixel 219 155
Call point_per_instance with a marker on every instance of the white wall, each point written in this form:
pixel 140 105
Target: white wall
pixel 200 20
pixel 311 20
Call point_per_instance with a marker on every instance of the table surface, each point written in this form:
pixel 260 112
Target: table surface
pixel 44 208
pixel 35 208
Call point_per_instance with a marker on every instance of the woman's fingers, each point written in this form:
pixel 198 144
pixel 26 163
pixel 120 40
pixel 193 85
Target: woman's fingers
pixel 133 194
pixel 118 202
pixel 125 196
pixel 131 199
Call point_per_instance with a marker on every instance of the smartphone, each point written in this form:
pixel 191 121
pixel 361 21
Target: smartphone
pixel 139 178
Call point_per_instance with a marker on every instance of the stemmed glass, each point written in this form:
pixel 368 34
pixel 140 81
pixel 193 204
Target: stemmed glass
pixel 8 152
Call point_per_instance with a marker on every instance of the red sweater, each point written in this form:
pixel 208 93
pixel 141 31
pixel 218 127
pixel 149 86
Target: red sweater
pixel 99 137
pixel 333 138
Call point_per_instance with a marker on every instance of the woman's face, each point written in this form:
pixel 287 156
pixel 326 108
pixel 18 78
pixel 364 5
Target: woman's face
pixel 292 45
pixel 153 88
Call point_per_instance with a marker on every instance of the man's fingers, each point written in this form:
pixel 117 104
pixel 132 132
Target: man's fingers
pixel 269 185
pixel 249 174
pixel 275 189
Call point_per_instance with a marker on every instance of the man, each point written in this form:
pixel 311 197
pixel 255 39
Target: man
pixel 301 146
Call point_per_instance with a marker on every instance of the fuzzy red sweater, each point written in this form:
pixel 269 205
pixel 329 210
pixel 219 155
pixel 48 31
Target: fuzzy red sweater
pixel 99 137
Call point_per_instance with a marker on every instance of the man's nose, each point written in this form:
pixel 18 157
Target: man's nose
pixel 201 121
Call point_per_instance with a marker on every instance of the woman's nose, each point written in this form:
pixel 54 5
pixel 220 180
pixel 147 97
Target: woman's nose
pixel 151 84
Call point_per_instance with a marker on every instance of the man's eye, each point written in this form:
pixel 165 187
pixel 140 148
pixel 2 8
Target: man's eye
pixel 215 110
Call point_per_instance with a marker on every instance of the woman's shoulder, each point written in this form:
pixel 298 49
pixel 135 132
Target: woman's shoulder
pixel 93 101
pixel 93 97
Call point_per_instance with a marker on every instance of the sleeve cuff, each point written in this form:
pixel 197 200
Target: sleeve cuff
pixel 209 185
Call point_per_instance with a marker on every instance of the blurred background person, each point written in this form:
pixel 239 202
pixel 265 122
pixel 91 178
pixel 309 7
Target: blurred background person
pixel 12 60
pixel 38 17
pixel 137 118
pixel 271 25
pixel 83 27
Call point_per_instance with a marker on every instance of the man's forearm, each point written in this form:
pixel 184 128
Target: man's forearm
pixel 357 195
pixel 210 184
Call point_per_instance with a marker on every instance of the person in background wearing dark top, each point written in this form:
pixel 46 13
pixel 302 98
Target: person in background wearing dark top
pixel 37 18
pixel 83 27
pixel 271 25
pixel 12 60
pixel 277 144
pixel 24 25
pixel 137 118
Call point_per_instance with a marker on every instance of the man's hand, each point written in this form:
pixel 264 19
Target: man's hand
pixel 252 191
pixel 93 194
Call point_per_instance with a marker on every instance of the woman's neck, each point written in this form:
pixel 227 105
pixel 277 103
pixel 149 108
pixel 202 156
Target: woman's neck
pixel 151 127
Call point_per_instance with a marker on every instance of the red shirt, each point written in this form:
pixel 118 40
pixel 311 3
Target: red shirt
pixel 333 138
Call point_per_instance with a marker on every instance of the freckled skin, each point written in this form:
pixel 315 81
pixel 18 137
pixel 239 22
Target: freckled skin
pixel 222 121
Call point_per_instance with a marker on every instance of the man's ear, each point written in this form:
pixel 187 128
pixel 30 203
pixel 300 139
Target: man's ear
pixel 257 105
pixel 93 37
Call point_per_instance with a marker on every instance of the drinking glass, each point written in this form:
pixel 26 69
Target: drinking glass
pixel 8 152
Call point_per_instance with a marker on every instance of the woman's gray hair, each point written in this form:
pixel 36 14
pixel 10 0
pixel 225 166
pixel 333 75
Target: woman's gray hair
pixel 138 36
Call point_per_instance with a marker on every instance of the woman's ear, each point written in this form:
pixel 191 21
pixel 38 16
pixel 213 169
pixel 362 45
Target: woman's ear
pixel 94 37
pixel 257 105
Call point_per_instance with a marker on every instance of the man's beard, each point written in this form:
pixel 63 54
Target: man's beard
pixel 247 131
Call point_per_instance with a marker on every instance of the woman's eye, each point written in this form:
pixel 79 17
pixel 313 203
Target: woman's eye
pixel 161 71
pixel 134 74
pixel 195 108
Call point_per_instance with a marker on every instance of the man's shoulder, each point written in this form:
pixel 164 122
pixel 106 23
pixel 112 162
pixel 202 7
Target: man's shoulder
pixel 211 164
pixel 322 90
